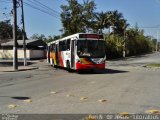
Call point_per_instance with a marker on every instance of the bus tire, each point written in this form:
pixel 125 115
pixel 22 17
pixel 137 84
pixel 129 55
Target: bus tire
pixel 68 66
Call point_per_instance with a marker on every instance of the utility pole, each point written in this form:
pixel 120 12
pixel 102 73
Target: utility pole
pixel 124 44
pixel 157 42
pixel 15 60
pixel 124 38
pixel 24 35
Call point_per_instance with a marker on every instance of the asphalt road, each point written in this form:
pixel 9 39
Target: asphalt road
pixel 125 86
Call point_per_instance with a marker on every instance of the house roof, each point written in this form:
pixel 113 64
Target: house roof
pixel 4 40
pixel 33 43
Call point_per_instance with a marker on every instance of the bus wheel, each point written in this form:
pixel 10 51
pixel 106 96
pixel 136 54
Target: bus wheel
pixel 68 67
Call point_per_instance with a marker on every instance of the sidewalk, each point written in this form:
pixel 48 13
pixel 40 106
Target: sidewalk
pixel 7 66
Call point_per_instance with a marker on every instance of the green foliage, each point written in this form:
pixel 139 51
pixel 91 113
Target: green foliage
pixel 116 21
pixel 134 43
pixel 153 65
pixel 100 22
pixel 114 46
pixel 77 17
pixel 137 42
pixel 44 38
pixel 52 38
pixel 38 37
pixel 6 31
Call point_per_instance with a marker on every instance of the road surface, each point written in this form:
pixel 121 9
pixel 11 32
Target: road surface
pixel 125 86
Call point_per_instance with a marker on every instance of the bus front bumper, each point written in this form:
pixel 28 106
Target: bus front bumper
pixel 80 66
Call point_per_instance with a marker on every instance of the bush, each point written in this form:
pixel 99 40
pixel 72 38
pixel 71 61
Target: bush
pixel 136 43
pixel 114 46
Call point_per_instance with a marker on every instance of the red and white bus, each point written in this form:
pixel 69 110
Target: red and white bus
pixel 80 51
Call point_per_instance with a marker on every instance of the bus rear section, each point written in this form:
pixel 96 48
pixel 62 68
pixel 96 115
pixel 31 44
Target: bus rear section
pixel 78 52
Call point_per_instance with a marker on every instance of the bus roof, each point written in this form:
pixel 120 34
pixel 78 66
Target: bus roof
pixel 80 35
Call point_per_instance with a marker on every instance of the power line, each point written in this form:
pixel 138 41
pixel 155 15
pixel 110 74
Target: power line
pixel 5 1
pixel 44 7
pixel 40 7
pixel 47 7
pixel 34 7
pixel 44 11
pixel 148 27
pixel 4 8
pixel 35 3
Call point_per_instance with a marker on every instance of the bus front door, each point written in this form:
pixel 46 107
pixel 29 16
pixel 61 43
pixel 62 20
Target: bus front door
pixel 73 54
pixel 57 56
pixel 48 54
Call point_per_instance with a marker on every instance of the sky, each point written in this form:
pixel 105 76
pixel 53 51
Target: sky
pixel 143 12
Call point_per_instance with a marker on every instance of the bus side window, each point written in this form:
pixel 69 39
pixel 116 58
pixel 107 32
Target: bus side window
pixel 62 46
pixel 68 44
pixel 53 47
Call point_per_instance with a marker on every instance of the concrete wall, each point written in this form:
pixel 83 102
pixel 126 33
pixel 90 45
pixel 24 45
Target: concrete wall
pixel 30 54
pixel 5 54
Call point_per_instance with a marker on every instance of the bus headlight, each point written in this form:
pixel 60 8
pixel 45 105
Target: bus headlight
pixel 78 60
pixel 103 61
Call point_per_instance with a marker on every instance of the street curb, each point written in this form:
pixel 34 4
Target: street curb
pixel 130 57
pixel 22 69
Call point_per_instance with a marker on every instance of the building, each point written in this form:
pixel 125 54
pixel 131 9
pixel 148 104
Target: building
pixel 35 49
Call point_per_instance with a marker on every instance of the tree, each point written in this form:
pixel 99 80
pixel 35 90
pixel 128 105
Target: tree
pixel 120 27
pixel 88 15
pixel 70 17
pixel 77 17
pixel 137 42
pixel 39 37
pixel 100 22
pixel 52 38
pixel 114 46
pixel 116 21
pixel 6 31
pixel 44 38
pixel 108 20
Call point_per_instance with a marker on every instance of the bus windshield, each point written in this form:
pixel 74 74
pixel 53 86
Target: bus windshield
pixel 91 48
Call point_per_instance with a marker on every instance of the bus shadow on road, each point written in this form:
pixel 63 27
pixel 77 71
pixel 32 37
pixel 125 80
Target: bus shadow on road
pixel 96 71
pixel 106 71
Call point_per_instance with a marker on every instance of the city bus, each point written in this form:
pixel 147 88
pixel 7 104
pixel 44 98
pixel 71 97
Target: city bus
pixel 80 51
